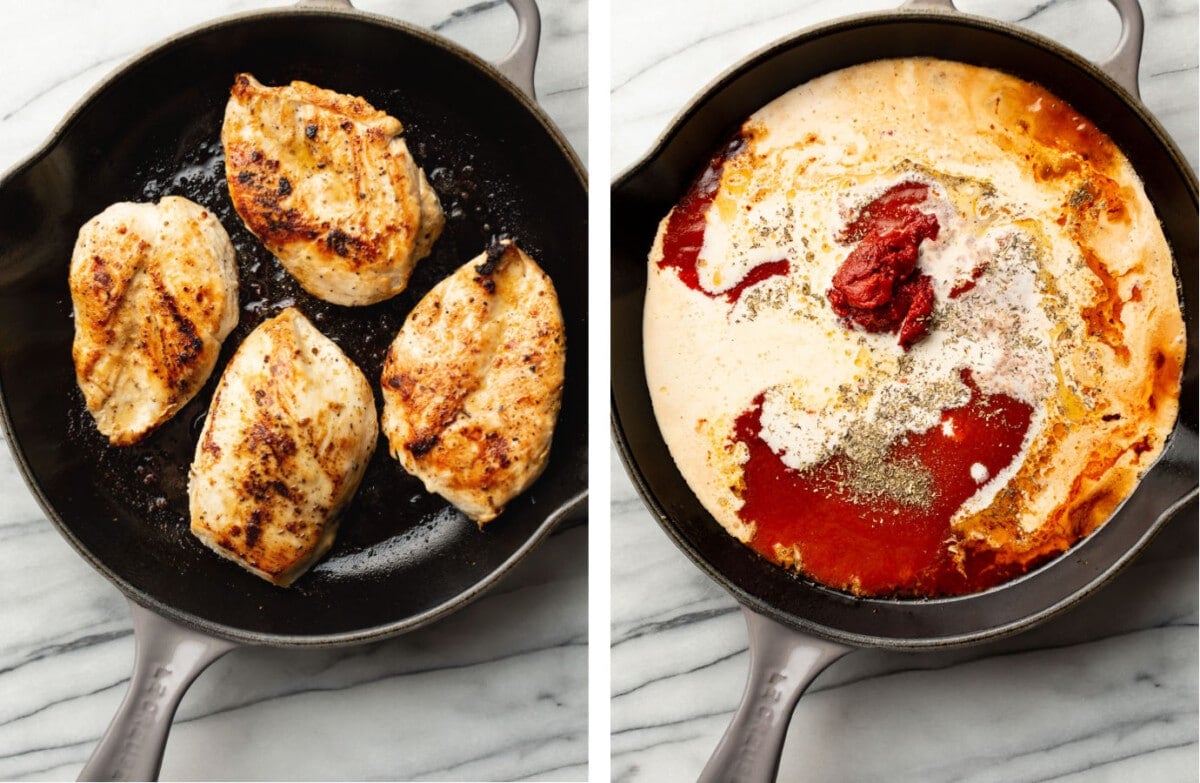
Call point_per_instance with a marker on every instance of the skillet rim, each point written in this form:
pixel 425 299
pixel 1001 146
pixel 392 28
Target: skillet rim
pixel 572 506
pixel 1181 436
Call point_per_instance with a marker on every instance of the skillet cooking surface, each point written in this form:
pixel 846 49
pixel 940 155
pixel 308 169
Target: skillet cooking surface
pixel 643 196
pixel 155 130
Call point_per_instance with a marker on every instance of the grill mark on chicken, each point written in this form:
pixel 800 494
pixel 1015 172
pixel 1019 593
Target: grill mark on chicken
pixel 496 448
pixel 267 440
pixel 342 243
pixel 402 383
pixel 254 526
pixel 264 490
pixel 443 399
pixel 181 344
pixel 101 277
pixel 422 446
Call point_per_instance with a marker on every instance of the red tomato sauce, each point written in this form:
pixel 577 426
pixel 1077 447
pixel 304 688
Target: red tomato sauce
pixel 684 237
pixel 876 545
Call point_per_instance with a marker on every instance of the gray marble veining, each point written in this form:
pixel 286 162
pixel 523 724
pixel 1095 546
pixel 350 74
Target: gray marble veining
pixel 497 691
pixel 1106 692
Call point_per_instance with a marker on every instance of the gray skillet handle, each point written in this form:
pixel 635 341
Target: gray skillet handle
pixel 518 65
pixel 520 62
pixel 1122 64
pixel 782 664
pixel 168 659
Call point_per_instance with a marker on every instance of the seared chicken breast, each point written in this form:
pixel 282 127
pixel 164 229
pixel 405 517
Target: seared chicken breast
pixel 287 439
pixel 473 382
pixel 154 287
pixel 328 184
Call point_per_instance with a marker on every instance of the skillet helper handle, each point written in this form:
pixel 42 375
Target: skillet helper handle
pixel 1121 65
pixel 169 657
pixel 783 662
pixel 521 61
pixel 517 65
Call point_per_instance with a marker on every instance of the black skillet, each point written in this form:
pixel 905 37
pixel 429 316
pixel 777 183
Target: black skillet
pixel 403 558
pixel 797 628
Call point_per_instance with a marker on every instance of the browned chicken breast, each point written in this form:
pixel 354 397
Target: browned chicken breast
pixel 287 439
pixel 154 288
pixel 473 382
pixel 329 186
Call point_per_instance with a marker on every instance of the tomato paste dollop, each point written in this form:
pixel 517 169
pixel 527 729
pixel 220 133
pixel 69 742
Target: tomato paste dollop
pixel 878 286
pixel 684 237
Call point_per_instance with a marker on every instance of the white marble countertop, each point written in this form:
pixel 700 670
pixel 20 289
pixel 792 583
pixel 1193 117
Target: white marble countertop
pixel 1107 692
pixel 497 691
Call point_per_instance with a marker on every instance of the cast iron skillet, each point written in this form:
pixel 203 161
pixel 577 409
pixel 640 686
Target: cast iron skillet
pixel 797 627
pixel 403 557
